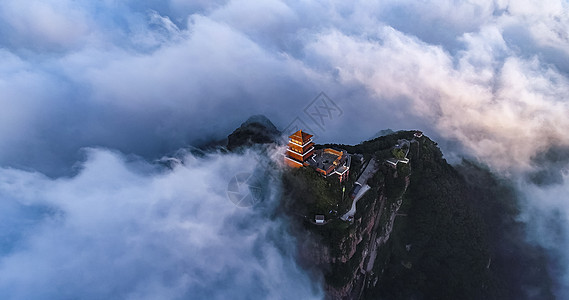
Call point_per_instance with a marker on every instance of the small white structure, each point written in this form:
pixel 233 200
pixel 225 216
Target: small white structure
pixel 392 161
pixel 418 134
pixel 319 219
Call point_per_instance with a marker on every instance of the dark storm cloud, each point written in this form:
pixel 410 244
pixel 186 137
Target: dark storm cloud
pixel 486 78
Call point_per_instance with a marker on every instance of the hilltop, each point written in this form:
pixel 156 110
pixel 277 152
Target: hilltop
pixel 423 230
pixel 258 129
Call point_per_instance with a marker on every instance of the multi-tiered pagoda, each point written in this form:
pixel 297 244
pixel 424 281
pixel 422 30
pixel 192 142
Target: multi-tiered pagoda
pixel 300 149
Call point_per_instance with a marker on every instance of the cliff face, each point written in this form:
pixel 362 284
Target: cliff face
pixel 424 230
pixel 356 253
pixel 349 254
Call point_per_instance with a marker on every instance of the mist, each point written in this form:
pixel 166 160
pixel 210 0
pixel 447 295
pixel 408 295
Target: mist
pixel 488 80
pixel 125 229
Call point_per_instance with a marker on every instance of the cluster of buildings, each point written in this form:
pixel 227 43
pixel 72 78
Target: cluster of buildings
pixel 403 144
pixel 327 161
pixel 301 153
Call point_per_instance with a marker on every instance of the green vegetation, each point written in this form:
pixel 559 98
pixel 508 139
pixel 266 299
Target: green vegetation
pixel 457 222
pixel 353 175
pixel 448 251
pixel 377 146
pixel 398 153
pixel 342 273
pixel 512 257
pixel 308 193
pixel 457 238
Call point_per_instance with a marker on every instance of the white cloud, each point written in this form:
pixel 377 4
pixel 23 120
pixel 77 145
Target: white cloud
pixel 150 77
pixel 120 230
pixel 481 97
pixel 44 24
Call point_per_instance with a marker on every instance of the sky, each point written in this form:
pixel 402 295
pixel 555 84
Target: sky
pixel 93 91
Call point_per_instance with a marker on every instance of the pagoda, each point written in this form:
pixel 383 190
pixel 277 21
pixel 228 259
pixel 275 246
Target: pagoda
pixel 300 149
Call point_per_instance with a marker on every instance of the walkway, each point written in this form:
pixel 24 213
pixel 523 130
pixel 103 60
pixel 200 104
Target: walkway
pixel 368 172
pixel 352 210
pixel 370 169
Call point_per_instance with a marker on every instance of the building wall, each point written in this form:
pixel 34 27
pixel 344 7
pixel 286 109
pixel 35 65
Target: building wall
pixel 298 156
pixel 299 140
pixel 344 176
pixel 300 149
pixel 332 151
pixel 293 164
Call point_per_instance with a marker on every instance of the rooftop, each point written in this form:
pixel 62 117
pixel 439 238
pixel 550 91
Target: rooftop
pixel 300 135
pixel 323 160
pixel 341 169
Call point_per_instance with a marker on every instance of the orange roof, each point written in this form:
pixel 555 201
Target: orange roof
pixel 301 135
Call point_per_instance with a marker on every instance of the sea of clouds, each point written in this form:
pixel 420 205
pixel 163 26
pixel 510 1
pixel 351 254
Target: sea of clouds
pixel 126 229
pixel 487 79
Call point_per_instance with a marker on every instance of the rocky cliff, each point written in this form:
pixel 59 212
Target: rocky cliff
pixel 348 253
pixel 422 231
pixel 350 262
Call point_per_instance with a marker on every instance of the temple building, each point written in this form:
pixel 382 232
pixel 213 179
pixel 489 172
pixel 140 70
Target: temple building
pixel 329 161
pixel 300 149
pixel 300 152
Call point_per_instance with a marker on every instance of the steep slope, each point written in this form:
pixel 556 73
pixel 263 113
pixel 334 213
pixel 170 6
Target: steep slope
pixel 423 230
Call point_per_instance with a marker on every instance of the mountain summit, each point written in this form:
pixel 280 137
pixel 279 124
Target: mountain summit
pixel 258 129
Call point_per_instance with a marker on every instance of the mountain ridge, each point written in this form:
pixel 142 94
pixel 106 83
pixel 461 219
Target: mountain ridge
pixel 422 231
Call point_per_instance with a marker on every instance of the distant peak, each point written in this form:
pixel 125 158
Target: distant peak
pixel 258 129
pixel 262 120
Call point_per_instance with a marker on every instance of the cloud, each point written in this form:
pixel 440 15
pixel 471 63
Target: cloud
pixel 146 86
pixel 43 25
pixel 146 79
pixel 481 97
pixel 487 79
pixel 545 209
pixel 123 229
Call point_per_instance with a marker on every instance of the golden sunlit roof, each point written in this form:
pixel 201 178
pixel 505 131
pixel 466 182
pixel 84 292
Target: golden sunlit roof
pixel 300 135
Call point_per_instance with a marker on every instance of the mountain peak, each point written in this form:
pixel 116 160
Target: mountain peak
pixel 261 120
pixel 258 129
